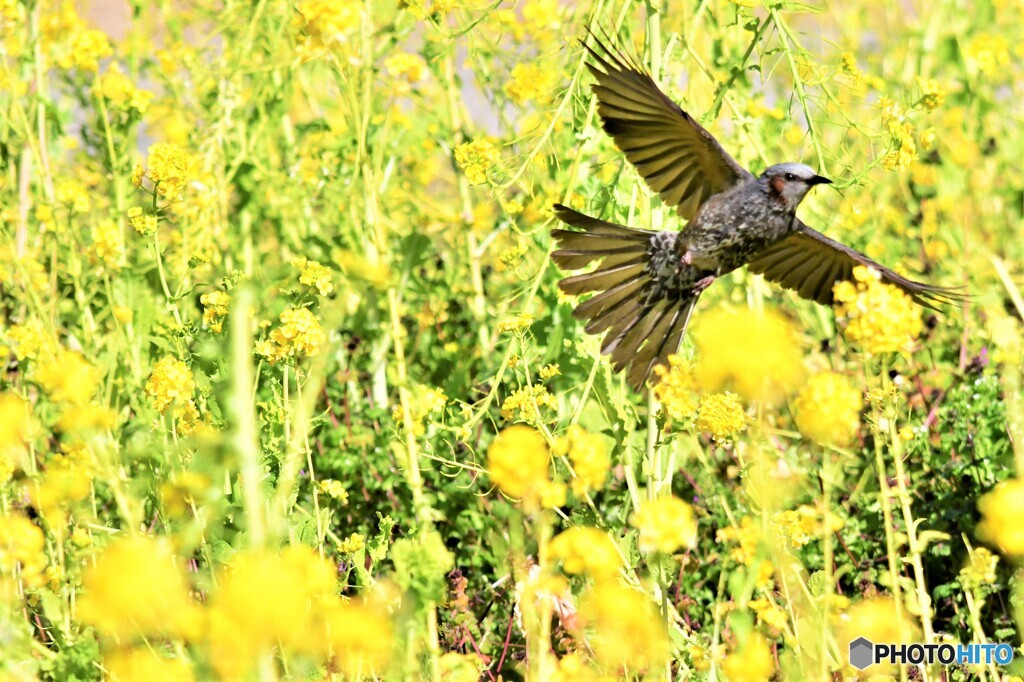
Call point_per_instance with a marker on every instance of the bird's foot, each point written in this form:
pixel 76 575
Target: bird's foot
pixel 687 258
pixel 702 284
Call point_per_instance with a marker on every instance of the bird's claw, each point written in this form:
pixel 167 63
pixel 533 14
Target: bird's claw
pixel 703 283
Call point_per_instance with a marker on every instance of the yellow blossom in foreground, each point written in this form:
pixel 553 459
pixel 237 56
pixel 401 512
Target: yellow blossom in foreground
pixel 879 620
pixel 327 24
pixel 359 635
pixel 586 550
pixel 518 464
pixel 475 158
pixel 22 549
pixel 665 524
pixel 170 381
pixel 980 568
pixel 68 378
pixel 67 479
pixel 827 409
pixel 168 168
pixel 265 599
pixel 589 458
pixel 456 667
pixel 314 274
pixel 1001 511
pixel 878 317
pixel 137 587
pixel 143 663
pixel 675 388
pixel 628 632
pixel 751 662
pixel 722 415
pixel 298 334
pixel 757 355
pixel 526 402
pixel 215 309
pixel 143 223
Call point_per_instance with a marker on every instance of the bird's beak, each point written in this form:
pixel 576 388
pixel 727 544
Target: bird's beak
pixel 819 180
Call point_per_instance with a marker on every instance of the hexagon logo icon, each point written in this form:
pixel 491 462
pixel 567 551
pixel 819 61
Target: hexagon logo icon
pixel 862 653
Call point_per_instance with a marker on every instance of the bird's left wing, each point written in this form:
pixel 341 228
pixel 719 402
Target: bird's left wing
pixel 674 154
pixel 810 264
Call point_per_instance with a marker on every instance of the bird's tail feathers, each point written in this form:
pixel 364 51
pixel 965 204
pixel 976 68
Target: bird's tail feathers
pixel 641 330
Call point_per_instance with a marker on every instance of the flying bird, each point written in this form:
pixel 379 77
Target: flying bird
pixel 646 283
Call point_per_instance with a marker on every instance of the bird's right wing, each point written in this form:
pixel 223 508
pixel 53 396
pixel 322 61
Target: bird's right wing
pixel 674 154
pixel 810 264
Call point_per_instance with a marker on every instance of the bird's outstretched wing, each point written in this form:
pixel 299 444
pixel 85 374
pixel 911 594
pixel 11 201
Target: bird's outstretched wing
pixel 810 264
pixel 674 154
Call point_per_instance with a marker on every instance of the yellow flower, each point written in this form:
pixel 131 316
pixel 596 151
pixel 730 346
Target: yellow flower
pixel 980 568
pixel 548 372
pixel 932 94
pixel 68 478
pixel 827 409
pixel 530 82
pixel 749 549
pixel 86 49
pixel 352 544
pixel 137 587
pixel 589 458
pixel 143 223
pixel 327 24
pixel 22 549
pixel 215 309
pixel 108 245
pixel 722 415
pixel 31 340
pixel 751 662
pixel 265 599
pixel 524 403
pixel 168 168
pixel 68 378
pixel 878 620
pixel 665 524
pixel 628 632
pixel 359 634
pixel 1001 510
pixel 475 158
pixel 803 524
pixel 988 53
pixel 333 489
pixel 423 402
pixel 879 317
pixel 314 274
pixel 517 461
pixel 516 324
pixel 675 388
pixel 758 355
pixel 406 69
pixel 586 550
pixel 299 334
pixel 143 663
pixel 170 381
pixel 120 92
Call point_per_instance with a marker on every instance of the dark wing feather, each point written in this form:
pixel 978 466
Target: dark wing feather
pixel 810 263
pixel 674 154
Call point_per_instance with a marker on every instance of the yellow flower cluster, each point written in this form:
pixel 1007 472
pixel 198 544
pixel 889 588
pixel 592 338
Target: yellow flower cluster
pixel 120 92
pixel 314 274
pixel 827 409
pixel 215 309
pixel 666 524
pixel 15 429
pixel 144 663
pixel 424 401
pixel 628 632
pixel 299 334
pixel 518 462
pixel 68 479
pixel 751 661
pixel 475 158
pixel 526 402
pixel 31 340
pixel 143 223
pixel 980 568
pixel 755 354
pixel 108 245
pixel 515 324
pixel 589 458
pixel 86 47
pixel 1001 511
pixel 586 550
pixel 170 382
pixel 988 53
pixel 406 69
pixel 67 377
pixel 675 388
pixel 137 588
pixel 333 489
pixel 878 619
pixel 22 546
pixel 722 415
pixel 530 83
pixel 879 317
pixel 803 524
pixel 168 167
pixel 327 24
pixel 932 93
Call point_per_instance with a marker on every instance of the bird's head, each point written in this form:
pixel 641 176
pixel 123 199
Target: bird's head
pixel 788 183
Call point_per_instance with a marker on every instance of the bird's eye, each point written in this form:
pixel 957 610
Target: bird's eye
pixel 790 177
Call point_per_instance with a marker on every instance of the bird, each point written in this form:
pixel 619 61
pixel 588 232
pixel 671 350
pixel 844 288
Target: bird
pixel 647 282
